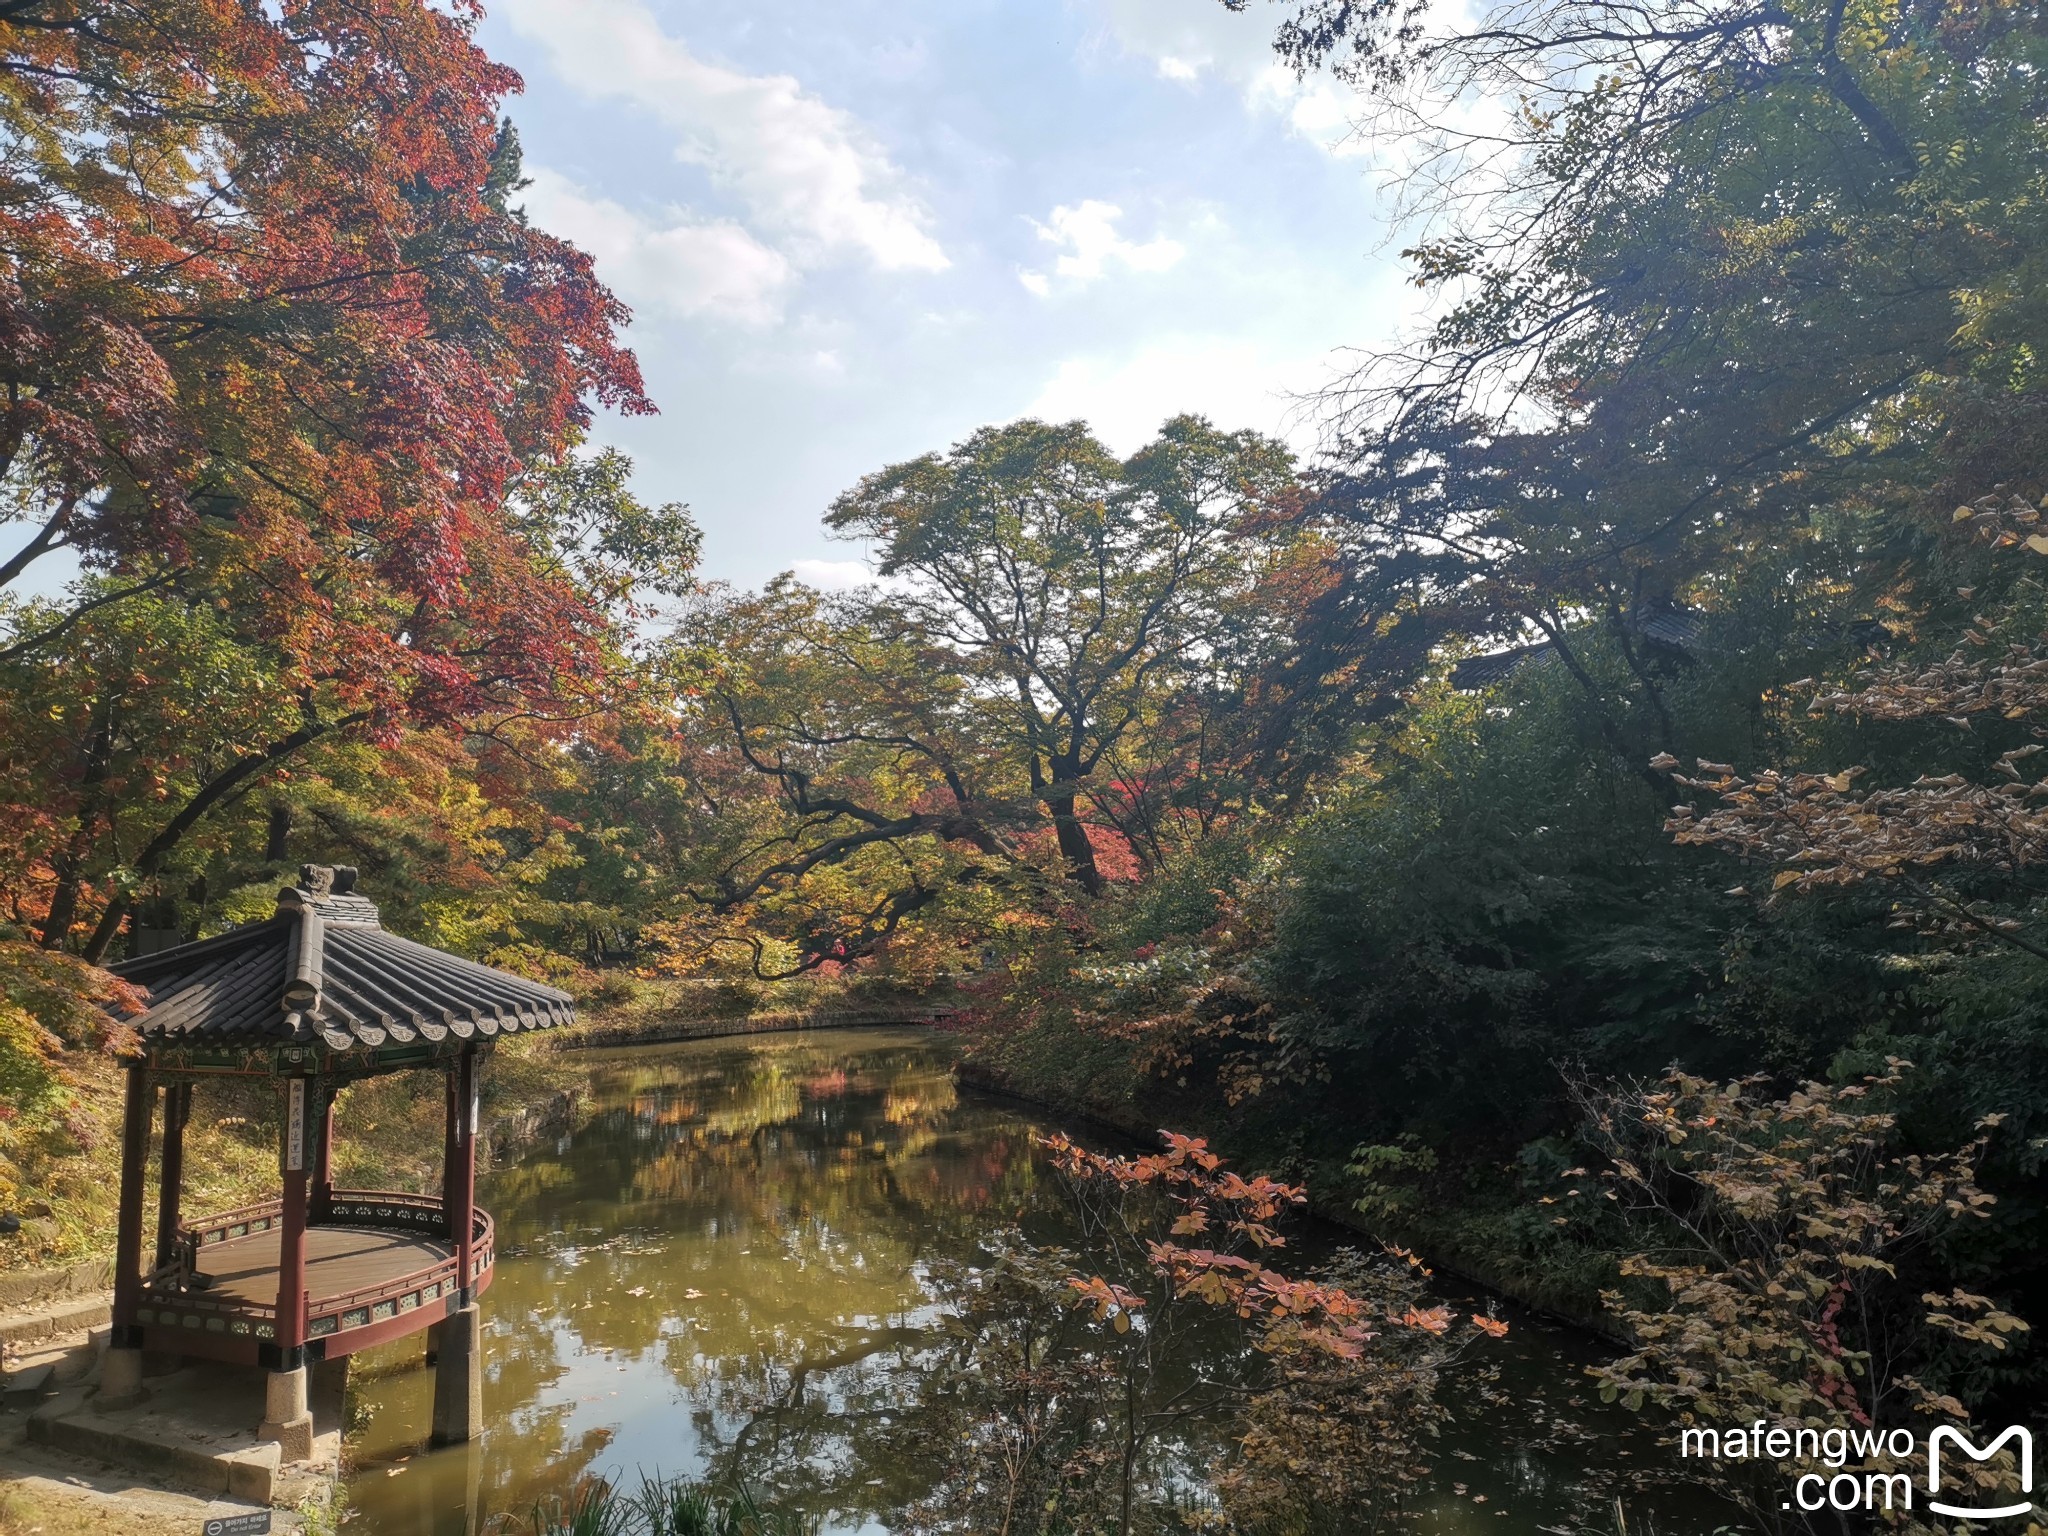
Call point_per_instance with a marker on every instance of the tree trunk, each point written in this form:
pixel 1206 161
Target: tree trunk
pixel 70 869
pixel 1130 1468
pixel 70 861
pixel 277 836
pixel 1074 845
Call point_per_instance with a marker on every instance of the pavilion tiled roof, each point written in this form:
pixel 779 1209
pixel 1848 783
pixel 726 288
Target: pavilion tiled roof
pixel 325 970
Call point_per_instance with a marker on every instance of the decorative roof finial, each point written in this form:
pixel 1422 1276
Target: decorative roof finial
pixel 327 879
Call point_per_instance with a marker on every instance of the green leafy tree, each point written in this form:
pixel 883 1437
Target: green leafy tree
pixel 1072 591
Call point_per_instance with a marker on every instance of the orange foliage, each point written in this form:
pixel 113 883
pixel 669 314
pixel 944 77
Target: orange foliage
pixel 1204 1198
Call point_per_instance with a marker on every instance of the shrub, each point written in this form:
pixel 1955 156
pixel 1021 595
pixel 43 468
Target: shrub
pixel 1771 1285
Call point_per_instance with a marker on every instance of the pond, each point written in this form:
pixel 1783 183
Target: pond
pixel 722 1272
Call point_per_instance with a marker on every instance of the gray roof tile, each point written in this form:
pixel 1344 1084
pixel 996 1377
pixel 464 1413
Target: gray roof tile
pixel 325 969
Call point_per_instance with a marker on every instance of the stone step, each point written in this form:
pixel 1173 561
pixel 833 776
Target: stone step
pixel 128 1439
pixel 53 1319
pixel 29 1384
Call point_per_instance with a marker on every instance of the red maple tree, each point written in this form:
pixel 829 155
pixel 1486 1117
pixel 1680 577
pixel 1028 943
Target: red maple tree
pixel 272 337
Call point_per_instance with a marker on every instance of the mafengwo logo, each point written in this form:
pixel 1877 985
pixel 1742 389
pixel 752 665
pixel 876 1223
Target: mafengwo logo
pixel 1949 1436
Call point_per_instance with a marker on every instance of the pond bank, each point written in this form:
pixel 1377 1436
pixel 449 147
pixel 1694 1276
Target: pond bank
pixel 674 1030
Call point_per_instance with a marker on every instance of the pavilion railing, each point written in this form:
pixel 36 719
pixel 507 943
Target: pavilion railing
pixel 169 1301
pixel 239 1222
pixel 394 1298
pixel 344 1208
pixel 166 1305
pixel 383 1208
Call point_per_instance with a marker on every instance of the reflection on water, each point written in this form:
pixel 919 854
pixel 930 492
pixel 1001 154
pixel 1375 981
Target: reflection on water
pixel 719 1274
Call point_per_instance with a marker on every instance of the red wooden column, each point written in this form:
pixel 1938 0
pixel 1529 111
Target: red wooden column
pixel 177 1111
pixel 458 1179
pixel 127 1334
pixel 291 1254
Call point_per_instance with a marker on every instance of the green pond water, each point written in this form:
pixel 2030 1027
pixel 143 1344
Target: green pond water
pixel 721 1273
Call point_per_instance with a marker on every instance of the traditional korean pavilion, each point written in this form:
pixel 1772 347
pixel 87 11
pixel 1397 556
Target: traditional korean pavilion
pixel 313 998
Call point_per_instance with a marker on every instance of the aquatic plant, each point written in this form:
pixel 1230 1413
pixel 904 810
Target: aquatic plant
pixel 663 1507
pixel 591 1508
pixel 678 1508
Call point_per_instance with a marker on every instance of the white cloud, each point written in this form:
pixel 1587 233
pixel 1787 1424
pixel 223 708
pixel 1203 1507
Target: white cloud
pixel 1234 382
pixel 1088 232
pixel 1187 41
pixel 684 269
pixel 1320 111
pixel 833 575
pixel 803 168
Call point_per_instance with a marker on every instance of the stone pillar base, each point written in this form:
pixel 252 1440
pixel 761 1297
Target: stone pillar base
pixel 120 1380
pixel 458 1379
pixel 286 1417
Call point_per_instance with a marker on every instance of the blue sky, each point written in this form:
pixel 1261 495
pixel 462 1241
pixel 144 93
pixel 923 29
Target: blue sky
pixel 853 232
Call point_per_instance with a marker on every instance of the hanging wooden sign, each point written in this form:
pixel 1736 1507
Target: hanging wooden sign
pixel 295 1125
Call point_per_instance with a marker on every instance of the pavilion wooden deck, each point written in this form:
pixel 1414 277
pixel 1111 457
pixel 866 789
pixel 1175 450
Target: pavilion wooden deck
pixel 378 1265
